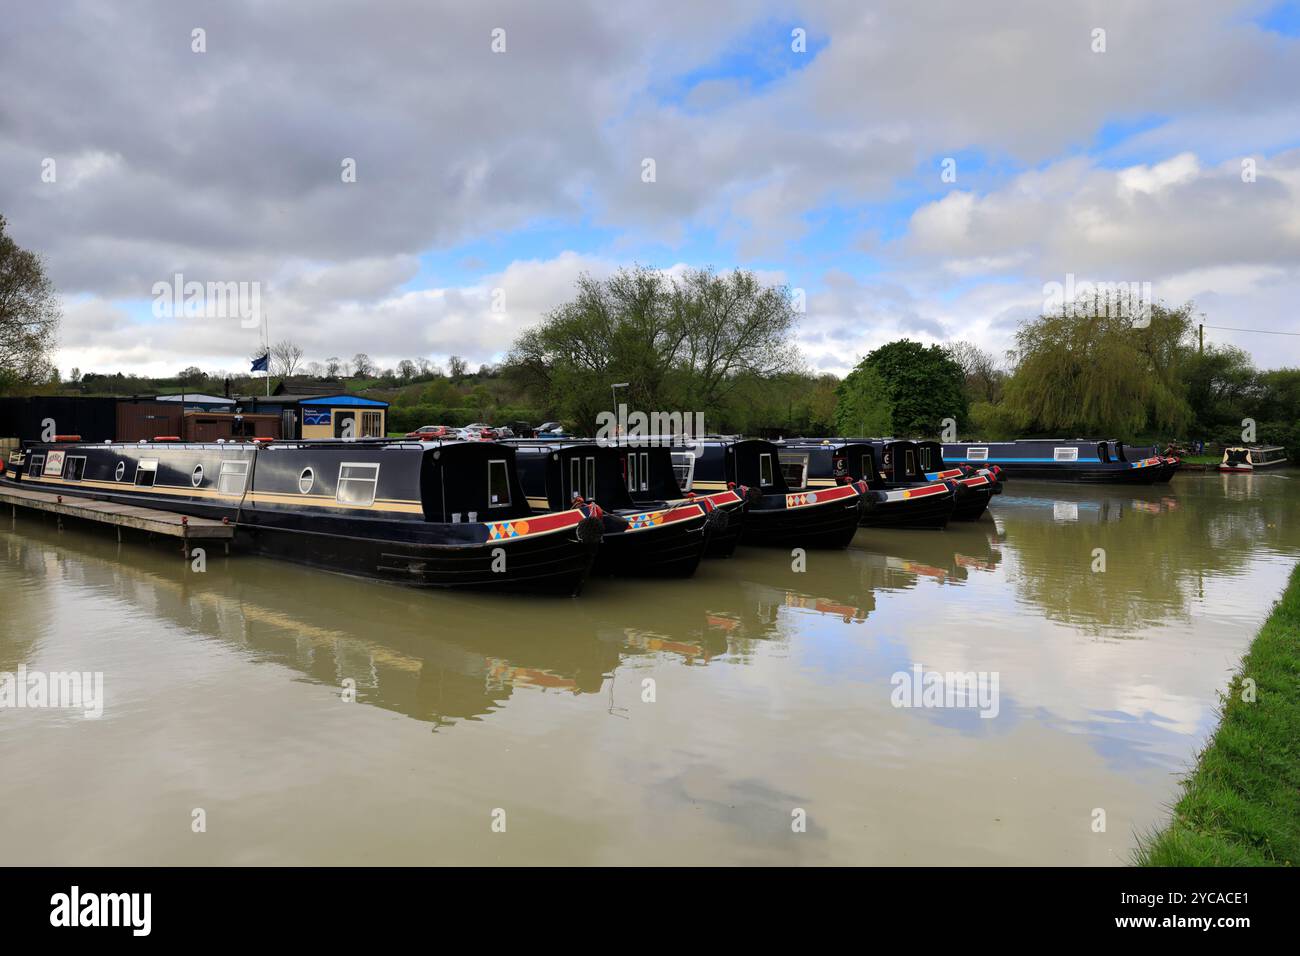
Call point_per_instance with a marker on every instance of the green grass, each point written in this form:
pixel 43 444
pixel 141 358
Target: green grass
pixel 1241 804
pixel 1203 459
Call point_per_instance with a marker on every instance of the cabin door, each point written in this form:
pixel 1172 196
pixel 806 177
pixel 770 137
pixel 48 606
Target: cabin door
pixel 345 424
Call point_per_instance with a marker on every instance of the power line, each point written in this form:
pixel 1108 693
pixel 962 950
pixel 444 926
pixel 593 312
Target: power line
pixel 1224 328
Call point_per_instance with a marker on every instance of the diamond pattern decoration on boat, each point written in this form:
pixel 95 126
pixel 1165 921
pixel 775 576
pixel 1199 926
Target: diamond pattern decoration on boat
pixel 647 519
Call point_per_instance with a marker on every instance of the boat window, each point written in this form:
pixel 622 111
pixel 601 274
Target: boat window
pixel 909 462
pixel 977 454
pixel 591 479
pixel 868 468
pixel 498 484
pixel 645 471
pixel 684 469
pixel 196 477
pixel 357 483
pixel 76 468
pixel 234 473
pixel 1066 454
pixel 1102 454
pixel 631 471
pixel 575 478
pixel 146 470
pixel 306 478
pixel 794 469
pixel 37 465
pixel 120 471
pixel 925 457
pixel 765 470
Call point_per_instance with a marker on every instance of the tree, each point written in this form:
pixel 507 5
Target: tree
pixel 29 316
pixel 333 366
pixel 1091 373
pixel 362 367
pixel 406 369
pixel 924 386
pixel 1221 386
pixel 681 343
pixel 286 356
pixel 863 408
pixel 984 379
pixel 457 368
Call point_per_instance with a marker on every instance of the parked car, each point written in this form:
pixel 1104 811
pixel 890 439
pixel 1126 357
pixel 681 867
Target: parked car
pixel 551 430
pixel 431 431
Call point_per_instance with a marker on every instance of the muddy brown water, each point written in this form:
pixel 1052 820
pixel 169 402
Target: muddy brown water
pixel 745 716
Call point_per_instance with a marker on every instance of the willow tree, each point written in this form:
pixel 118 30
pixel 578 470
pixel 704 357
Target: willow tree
pixel 29 317
pixel 1101 373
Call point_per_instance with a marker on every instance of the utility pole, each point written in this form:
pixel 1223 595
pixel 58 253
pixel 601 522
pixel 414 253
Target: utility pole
pixel 1202 328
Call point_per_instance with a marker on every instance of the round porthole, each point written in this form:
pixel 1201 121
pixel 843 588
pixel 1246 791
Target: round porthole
pixel 120 471
pixel 196 478
pixel 305 480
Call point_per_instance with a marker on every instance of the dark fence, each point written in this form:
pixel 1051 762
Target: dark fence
pixel 37 417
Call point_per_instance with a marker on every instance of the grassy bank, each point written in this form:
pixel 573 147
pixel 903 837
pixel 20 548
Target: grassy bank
pixel 1241 804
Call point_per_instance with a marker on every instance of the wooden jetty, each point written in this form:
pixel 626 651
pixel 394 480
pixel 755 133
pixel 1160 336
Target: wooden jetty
pixel 150 520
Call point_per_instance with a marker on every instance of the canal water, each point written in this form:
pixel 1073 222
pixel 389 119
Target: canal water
pixel 749 715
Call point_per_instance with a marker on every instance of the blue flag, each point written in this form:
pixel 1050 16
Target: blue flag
pixel 261 364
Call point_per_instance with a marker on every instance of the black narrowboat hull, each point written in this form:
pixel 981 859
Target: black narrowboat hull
pixel 670 548
pixel 556 563
pixel 727 526
pixel 890 509
pixel 283 506
pixel 1123 475
pixel 972 500
pixel 770 521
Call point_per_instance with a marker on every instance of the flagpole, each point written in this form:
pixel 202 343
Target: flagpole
pixel 266 350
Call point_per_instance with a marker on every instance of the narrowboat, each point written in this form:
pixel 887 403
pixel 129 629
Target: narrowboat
pixel 898 495
pixel 775 514
pixel 1171 463
pixel 975 486
pixel 1055 459
pixel 1243 459
pixel 658 476
pixel 426 513
pixel 665 540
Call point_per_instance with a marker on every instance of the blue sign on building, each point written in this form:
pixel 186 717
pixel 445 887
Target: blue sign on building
pixel 316 416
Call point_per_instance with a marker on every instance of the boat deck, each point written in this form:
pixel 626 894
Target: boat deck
pixel 150 520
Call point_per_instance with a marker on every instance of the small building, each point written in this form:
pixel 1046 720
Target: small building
pixel 198 402
pixel 342 416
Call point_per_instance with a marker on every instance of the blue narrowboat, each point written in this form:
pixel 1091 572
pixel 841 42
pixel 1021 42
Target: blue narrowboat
pixel 1081 460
